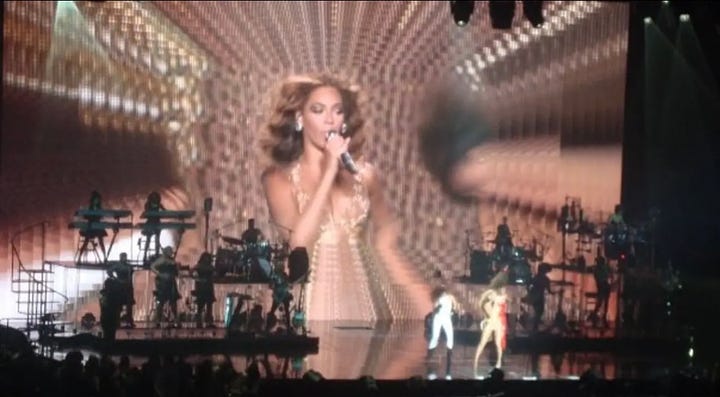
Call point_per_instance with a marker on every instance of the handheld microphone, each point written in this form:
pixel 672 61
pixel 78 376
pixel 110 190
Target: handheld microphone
pixel 345 158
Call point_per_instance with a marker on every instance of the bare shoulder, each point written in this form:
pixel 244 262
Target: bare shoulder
pixel 370 175
pixel 276 178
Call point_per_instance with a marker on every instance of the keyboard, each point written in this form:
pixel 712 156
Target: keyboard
pixel 168 214
pixel 166 225
pixel 85 225
pixel 103 213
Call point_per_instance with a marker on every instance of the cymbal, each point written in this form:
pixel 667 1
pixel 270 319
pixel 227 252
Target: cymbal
pixel 562 283
pixel 232 240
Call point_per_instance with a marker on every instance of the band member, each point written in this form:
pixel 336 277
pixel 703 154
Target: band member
pixel 617 217
pixel 251 235
pixel 204 290
pixel 166 291
pixel 95 204
pixel 443 305
pixel 603 276
pixel 281 296
pixel 503 240
pixel 152 227
pixel 112 296
pixel 617 238
pixel 123 272
pixel 257 253
pixel 493 304
pixel 536 294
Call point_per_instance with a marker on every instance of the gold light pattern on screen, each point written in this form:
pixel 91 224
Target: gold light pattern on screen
pixel 201 74
pixel 531 79
pixel 127 68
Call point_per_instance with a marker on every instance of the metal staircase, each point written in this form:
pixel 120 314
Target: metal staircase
pixel 37 301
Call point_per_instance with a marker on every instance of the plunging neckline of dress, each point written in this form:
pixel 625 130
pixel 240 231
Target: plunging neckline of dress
pixel 355 204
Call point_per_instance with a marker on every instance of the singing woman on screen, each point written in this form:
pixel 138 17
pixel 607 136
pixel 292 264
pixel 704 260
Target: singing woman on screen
pixel 335 209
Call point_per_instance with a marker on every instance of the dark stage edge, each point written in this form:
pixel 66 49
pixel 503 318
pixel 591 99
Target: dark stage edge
pixel 673 385
pixel 551 343
pixel 232 343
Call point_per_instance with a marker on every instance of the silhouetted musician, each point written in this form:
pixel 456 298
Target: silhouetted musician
pixel 92 227
pixel 154 214
pixel 166 290
pixel 204 290
pixel 503 240
pixel 151 228
pixel 251 235
pixel 99 234
pixel 122 271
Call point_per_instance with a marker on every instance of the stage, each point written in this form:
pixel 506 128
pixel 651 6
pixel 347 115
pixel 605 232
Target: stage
pixel 188 341
pixel 396 350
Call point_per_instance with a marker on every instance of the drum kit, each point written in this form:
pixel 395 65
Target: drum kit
pixel 484 264
pixel 619 241
pixel 261 262
pixel 252 261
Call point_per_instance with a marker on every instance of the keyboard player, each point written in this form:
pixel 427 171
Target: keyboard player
pixel 152 227
pixel 93 222
pixel 156 216
pixel 90 232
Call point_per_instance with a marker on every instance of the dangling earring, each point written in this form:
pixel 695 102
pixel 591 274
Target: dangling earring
pixel 343 129
pixel 298 125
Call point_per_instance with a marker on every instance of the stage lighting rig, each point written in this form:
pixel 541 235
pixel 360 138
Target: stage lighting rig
pixel 532 9
pixel 461 11
pixel 502 13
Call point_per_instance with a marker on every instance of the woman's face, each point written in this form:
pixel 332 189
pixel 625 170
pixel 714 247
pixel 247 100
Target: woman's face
pixel 322 113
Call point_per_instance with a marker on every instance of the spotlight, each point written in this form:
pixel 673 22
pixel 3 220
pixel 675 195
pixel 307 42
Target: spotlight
pixel 684 17
pixel 502 13
pixel 533 12
pixel 461 11
pixel 298 264
pixel 647 20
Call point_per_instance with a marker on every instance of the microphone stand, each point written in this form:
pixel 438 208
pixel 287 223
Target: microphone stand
pixel 207 229
pixel 468 255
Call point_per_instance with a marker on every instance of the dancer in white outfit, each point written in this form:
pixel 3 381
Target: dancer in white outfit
pixel 444 304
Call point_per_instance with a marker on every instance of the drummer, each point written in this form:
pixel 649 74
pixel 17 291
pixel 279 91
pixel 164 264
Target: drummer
pixel 252 235
pixel 256 248
pixel 503 241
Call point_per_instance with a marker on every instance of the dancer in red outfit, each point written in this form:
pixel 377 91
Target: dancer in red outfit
pixel 493 303
pixel 503 321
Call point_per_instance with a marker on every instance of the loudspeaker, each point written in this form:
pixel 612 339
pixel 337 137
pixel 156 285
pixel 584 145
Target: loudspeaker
pixel 298 264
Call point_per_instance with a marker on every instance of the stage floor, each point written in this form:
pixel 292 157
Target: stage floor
pixel 398 351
